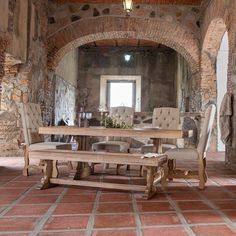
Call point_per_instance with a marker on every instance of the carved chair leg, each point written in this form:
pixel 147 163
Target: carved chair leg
pixel 26 159
pixel 202 172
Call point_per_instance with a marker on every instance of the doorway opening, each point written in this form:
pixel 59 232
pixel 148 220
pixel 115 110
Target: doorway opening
pixel 221 73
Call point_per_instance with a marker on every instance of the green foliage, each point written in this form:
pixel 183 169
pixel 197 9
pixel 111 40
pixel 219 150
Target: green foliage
pixel 108 122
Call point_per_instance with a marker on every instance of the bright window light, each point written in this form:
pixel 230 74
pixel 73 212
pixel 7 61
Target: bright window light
pixel 121 94
pixel 127 57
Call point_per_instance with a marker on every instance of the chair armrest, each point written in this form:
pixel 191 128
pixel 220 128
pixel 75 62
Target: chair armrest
pixel 21 145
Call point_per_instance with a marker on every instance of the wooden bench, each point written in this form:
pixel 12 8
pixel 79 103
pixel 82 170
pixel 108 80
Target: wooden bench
pixel 156 168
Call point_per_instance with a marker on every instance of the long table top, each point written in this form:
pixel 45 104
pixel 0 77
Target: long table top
pixel 102 131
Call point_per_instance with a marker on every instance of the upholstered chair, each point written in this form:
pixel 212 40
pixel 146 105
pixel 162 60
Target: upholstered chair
pixel 164 118
pixel 116 144
pixel 31 120
pixel 190 154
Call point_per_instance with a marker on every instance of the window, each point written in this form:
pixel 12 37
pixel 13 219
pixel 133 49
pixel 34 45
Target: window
pixel 120 91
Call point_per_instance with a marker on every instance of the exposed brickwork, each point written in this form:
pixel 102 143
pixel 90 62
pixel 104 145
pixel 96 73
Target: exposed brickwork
pixel 61 17
pixel 3 45
pixel 218 18
pixel 79 33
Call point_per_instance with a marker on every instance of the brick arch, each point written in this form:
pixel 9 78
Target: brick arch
pixel 210 48
pixel 81 32
pixel 3 45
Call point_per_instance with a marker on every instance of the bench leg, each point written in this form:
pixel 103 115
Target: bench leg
pixel 82 170
pixel 171 166
pixel 150 189
pixel 165 176
pixel 54 169
pixel 47 174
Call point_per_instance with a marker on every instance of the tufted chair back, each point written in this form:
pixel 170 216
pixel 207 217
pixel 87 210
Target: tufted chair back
pixel 166 118
pixel 206 129
pixel 31 121
pixel 122 113
pixel 125 114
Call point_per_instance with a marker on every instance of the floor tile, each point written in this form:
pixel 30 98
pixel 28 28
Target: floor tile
pixel 57 190
pixel 20 184
pixel 12 191
pixel 70 233
pixel 80 190
pixel 213 230
pixel 114 233
pixel 31 199
pixel 115 214
pixel 79 198
pixel 114 207
pixel 231 215
pixel 217 195
pixel 66 222
pixel 7 199
pixel 202 217
pixel 189 195
pixel 17 224
pixel 149 219
pixel 192 205
pixel 158 197
pixel 165 231
pixel 117 197
pixel 112 221
pixel 24 210
pixel 73 208
pixel 225 204
pixel 154 206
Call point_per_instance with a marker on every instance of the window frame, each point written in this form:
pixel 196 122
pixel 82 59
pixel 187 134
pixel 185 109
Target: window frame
pixel 136 79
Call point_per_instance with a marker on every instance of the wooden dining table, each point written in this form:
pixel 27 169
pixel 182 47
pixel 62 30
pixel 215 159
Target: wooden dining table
pixel 156 134
pixel 156 166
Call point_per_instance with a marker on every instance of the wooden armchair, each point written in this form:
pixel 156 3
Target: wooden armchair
pixel 189 154
pixel 31 120
pixel 164 118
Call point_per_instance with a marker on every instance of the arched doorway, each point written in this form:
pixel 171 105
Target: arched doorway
pixel 221 74
pixel 208 87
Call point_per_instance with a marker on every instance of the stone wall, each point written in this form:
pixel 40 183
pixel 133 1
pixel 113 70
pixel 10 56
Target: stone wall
pixel 157 67
pixel 25 69
pixel 65 101
pixel 66 88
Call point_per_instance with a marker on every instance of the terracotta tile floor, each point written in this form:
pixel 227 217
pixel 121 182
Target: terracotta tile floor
pixel 180 209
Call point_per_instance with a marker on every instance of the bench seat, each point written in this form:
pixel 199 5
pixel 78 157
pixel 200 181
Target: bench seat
pixel 156 168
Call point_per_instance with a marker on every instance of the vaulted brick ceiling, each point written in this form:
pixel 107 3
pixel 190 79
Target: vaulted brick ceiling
pixel 170 2
pixel 124 43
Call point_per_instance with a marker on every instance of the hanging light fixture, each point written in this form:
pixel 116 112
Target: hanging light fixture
pixel 127 5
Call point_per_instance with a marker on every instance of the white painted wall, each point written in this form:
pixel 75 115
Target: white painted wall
pixel 68 67
pixel 221 72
